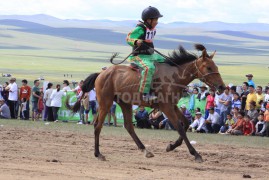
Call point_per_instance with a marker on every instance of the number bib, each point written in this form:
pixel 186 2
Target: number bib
pixel 150 35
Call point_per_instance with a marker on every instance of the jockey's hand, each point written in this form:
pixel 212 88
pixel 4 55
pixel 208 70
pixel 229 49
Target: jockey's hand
pixel 139 42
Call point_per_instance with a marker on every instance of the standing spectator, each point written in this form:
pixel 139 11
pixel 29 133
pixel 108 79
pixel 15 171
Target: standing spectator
pixel 228 124
pixel 5 92
pixel 141 118
pixel 34 99
pixel 23 108
pixel 78 88
pixel 260 97
pixel 186 113
pixel 266 98
pixel 236 102
pixel 250 97
pixel 40 105
pixel 56 101
pixel 66 86
pixel 248 126
pixel 199 124
pixel 4 110
pixel 1 91
pixel 209 102
pixel 252 112
pixel 92 106
pixel 212 122
pixel 225 102
pixel 113 114
pixel 218 96
pixel 232 91
pixel 203 93
pixel 250 81
pixel 48 107
pixel 25 92
pixel 13 97
pixel 266 120
pixel 244 95
pixel 237 128
pixel 260 126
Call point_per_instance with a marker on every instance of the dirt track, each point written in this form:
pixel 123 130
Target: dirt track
pixel 50 154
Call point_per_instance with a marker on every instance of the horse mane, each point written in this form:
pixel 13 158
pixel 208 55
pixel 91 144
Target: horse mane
pixel 179 57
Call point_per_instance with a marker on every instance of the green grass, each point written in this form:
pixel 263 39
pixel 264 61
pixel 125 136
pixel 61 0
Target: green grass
pixel 144 134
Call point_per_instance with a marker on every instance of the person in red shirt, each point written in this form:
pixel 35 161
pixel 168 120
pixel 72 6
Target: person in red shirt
pixel 209 102
pixel 248 126
pixel 25 92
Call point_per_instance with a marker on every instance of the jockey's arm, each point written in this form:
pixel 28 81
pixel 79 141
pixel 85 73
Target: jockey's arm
pixel 135 35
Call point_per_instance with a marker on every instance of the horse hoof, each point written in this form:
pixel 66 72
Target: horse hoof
pixel 199 159
pixel 101 157
pixel 169 148
pixel 148 154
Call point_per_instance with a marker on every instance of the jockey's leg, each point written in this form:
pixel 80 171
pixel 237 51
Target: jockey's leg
pixel 146 75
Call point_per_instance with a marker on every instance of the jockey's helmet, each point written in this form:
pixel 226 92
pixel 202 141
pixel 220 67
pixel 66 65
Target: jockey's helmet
pixel 151 13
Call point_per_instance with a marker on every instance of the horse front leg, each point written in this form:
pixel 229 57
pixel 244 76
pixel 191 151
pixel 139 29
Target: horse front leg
pixel 171 113
pixel 179 141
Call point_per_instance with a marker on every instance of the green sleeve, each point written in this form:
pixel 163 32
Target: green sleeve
pixel 136 34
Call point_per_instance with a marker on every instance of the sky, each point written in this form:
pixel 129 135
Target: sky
pixel 233 11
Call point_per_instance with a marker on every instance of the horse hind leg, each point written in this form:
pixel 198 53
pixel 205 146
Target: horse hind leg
pixel 127 114
pixel 97 129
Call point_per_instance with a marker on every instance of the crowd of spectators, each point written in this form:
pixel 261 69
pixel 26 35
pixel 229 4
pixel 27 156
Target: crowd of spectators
pixel 228 110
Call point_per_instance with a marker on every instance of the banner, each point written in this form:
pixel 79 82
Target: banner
pixel 65 114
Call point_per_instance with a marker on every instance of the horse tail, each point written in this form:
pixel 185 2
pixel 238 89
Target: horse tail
pixel 87 86
pixel 88 83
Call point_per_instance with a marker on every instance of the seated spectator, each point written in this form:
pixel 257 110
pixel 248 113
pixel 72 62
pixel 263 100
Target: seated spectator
pixel 198 125
pixel 260 126
pixel 186 113
pixel 252 112
pixel 155 118
pixel 248 126
pixel 4 110
pixel 228 124
pixel 212 122
pixel 237 128
pixel 236 102
pixel 166 123
pixel 141 118
pixel 235 112
pixel 195 111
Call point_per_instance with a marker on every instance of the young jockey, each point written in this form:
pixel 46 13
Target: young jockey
pixel 141 39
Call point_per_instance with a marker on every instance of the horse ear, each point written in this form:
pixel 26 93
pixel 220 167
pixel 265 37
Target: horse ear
pixel 204 54
pixel 212 55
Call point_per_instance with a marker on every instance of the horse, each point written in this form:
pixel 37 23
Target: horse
pixel 120 83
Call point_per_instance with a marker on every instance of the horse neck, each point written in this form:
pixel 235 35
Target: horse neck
pixel 188 72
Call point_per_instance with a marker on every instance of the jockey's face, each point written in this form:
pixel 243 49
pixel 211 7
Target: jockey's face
pixel 153 22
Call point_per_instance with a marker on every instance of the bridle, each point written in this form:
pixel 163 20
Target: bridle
pixel 202 78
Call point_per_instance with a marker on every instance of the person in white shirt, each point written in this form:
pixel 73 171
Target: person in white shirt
pixel 92 106
pixel 13 98
pixel 48 110
pixel 56 101
pixel 212 122
pixel 198 124
pixel 66 86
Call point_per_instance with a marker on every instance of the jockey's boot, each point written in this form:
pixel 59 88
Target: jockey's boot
pixel 149 97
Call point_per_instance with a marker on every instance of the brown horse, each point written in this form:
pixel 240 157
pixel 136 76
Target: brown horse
pixel 120 83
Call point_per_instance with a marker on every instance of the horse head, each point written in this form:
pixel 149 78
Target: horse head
pixel 207 70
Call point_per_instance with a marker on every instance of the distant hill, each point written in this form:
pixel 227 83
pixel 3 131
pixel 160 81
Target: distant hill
pixel 228 38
